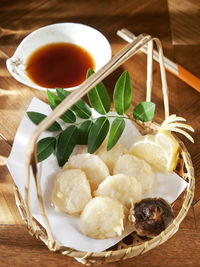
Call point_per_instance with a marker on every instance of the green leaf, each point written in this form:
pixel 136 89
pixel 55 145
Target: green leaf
pixel 68 117
pixel 65 144
pixel 98 97
pixel 37 117
pixel 54 101
pixel 116 131
pixel 83 131
pixel 62 94
pixel 81 108
pixel 144 111
pixel 122 93
pixel 45 147
pixel 97 134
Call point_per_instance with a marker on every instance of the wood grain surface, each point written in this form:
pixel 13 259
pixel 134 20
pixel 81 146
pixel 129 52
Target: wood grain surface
pixel 176 23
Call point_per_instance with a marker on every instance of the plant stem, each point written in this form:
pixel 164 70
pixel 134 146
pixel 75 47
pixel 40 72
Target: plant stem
pixel 127 118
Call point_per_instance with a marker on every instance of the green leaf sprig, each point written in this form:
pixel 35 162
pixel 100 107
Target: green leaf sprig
pixel 81 128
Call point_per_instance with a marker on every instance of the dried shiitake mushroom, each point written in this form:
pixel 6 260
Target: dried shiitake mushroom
pixel 151 216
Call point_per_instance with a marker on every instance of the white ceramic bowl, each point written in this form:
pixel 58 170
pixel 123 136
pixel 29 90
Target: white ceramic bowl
pixel 88 38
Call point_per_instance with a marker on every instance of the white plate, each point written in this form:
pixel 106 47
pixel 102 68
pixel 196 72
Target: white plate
pixel 90 39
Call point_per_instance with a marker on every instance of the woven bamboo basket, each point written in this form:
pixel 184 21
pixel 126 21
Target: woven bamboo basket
pixel 132 245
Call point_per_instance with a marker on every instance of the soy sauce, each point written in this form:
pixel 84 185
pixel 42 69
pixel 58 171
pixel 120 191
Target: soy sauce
pixel 59 65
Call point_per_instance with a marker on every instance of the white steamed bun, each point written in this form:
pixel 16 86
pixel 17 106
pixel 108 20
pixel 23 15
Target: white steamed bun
pixel 110 157
pixel 71 191
pixel 133 166
pixel 94 168
pixel 102 218
pixel 124 188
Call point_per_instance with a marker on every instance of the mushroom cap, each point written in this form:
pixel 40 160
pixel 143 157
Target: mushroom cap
pixel 152 216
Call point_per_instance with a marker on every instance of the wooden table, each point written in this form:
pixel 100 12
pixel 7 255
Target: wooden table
pixel 176 23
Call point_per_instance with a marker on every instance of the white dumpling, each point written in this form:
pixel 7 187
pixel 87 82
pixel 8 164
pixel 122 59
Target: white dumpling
pixel 124 188
pixel 102 218
pixel 110 157
pixel 133 166
pixel 94 168
pixel 71 191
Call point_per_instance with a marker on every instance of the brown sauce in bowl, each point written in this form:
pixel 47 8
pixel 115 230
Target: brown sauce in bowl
pixel 59 65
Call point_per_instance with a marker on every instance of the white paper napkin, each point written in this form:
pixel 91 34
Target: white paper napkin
pixel 66 227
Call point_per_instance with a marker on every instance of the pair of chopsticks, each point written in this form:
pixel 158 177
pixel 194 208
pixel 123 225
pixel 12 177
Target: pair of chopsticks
pixel 172 67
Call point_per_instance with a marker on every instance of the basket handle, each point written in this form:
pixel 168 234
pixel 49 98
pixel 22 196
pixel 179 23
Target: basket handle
pixel 127 52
